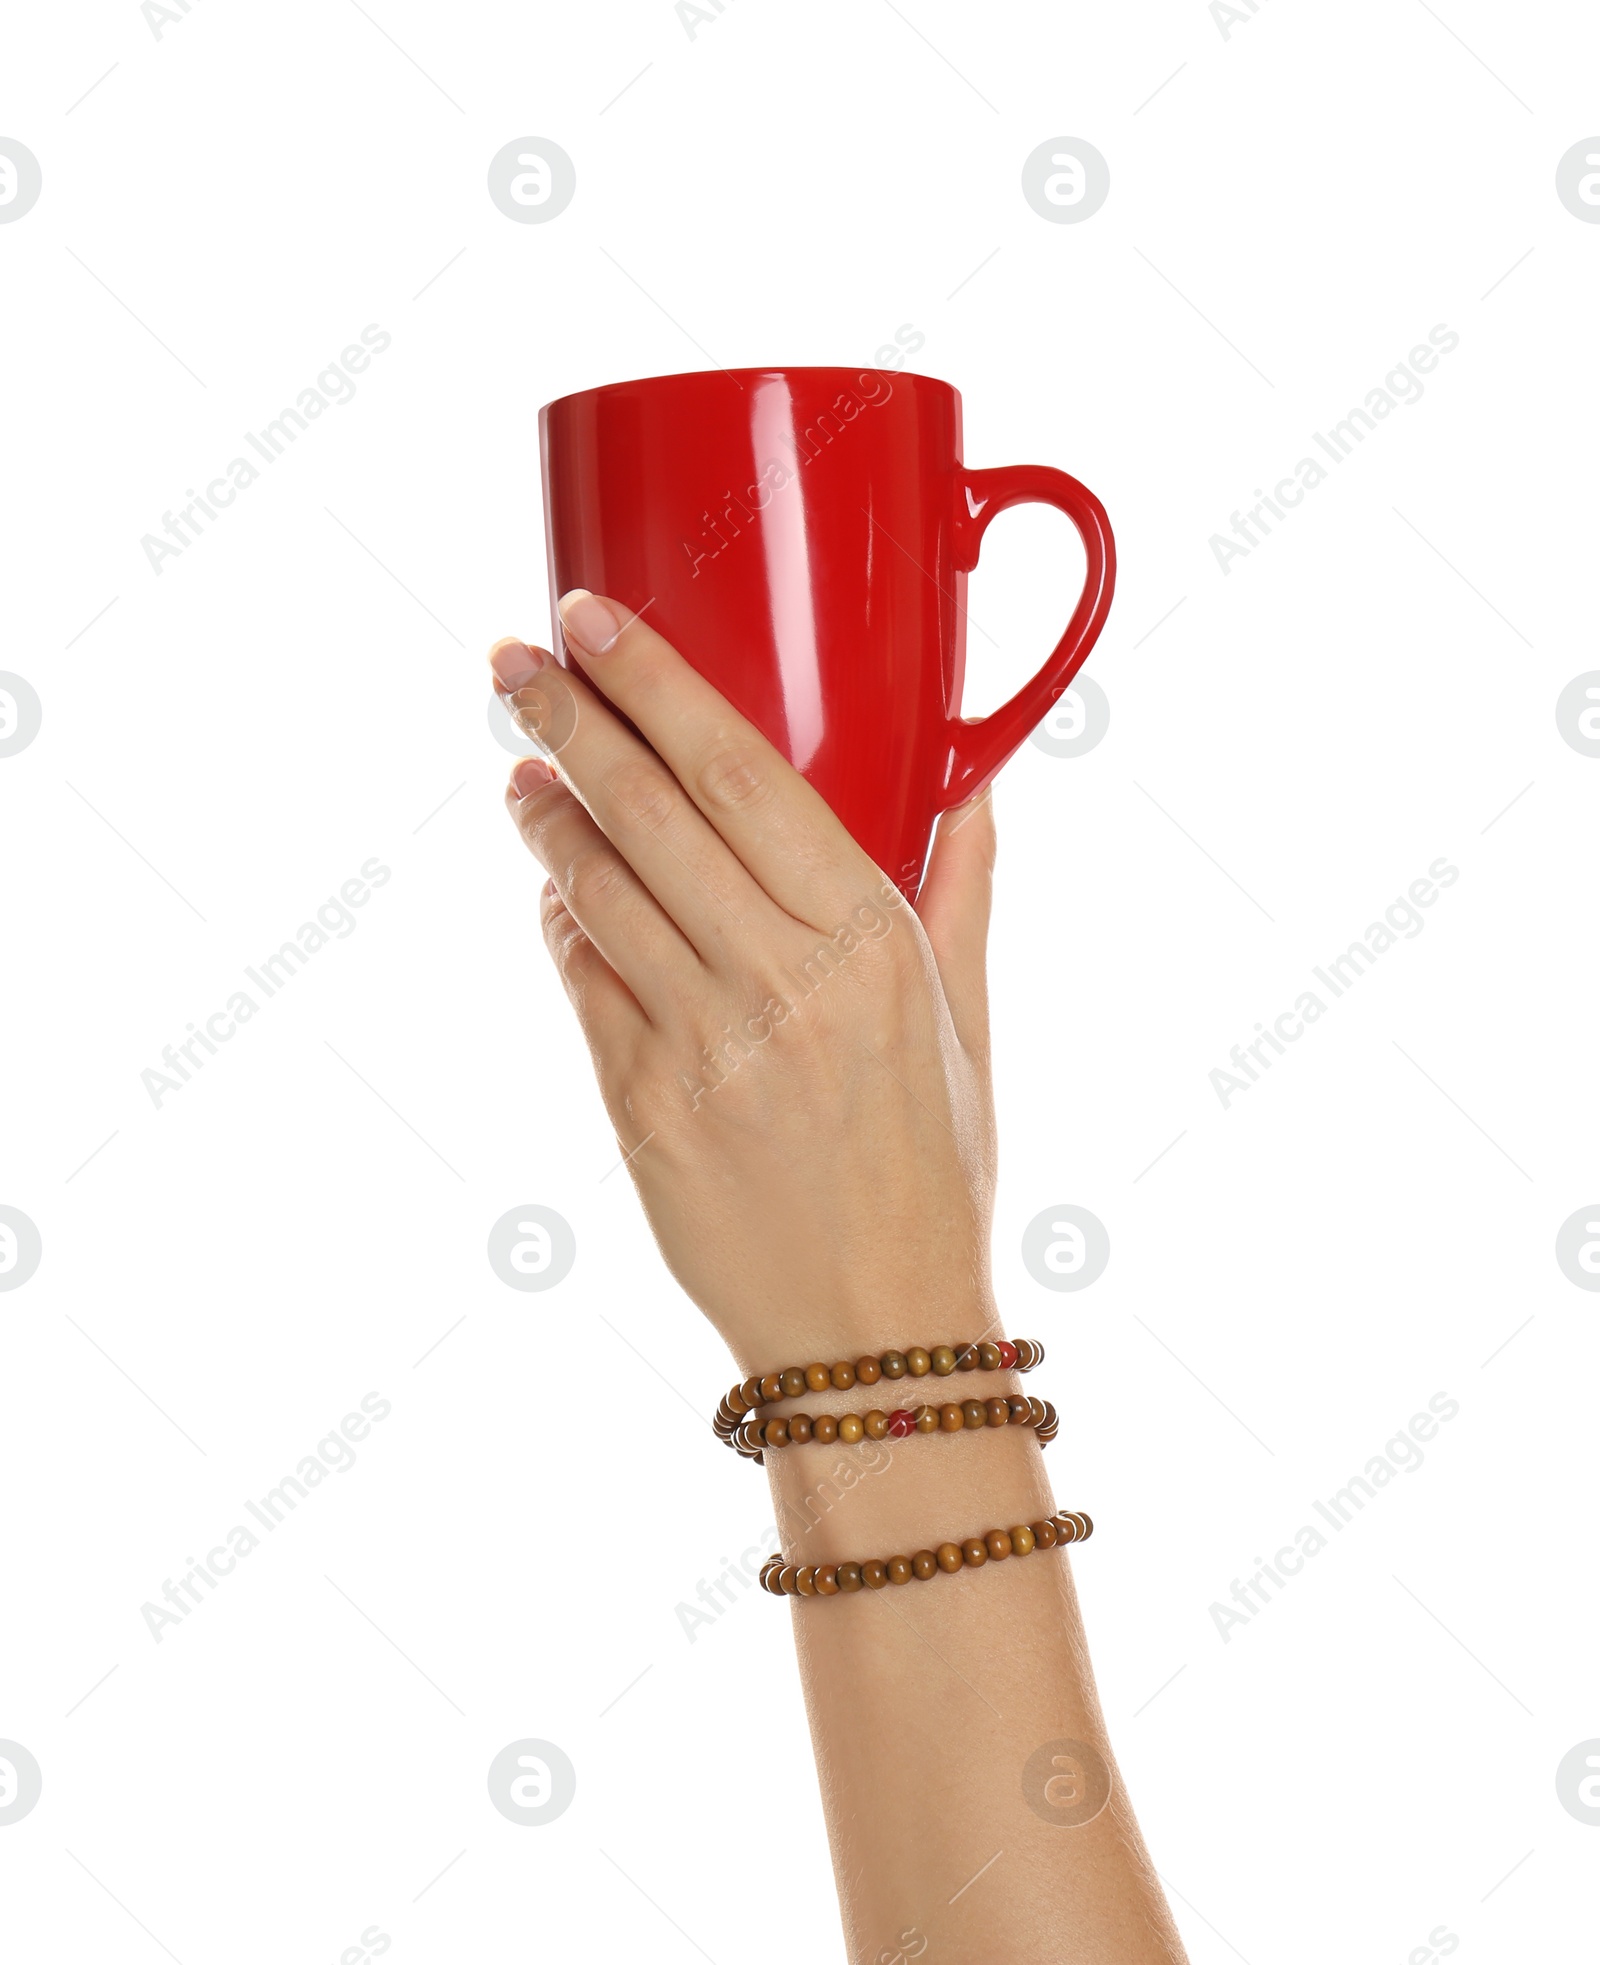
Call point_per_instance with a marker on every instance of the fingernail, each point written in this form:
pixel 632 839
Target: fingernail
pixel 592 623
pixel 515 663
pixel 549 888
pixel 529 774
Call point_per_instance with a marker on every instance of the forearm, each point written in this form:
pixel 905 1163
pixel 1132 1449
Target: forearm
pixel 931 1704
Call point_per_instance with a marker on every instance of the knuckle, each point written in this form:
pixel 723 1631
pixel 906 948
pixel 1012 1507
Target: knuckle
pixel 564 939
pixel 731 780
pixel 575 959
pixel 645 791
pixel 596 883
pixel 872 951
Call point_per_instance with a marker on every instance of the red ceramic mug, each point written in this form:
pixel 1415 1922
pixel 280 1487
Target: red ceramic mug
pixel 803 536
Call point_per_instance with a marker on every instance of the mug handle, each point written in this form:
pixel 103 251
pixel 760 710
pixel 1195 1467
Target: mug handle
pixel 978 749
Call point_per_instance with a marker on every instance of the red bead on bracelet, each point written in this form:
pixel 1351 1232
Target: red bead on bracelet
pixel 750 1437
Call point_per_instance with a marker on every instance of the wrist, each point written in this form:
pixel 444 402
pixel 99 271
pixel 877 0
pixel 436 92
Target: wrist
pixel 832 1329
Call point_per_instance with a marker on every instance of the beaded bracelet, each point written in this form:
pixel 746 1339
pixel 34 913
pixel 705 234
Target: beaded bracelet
pixel 787 1579
pixel 750 1436
pixel 1003 1354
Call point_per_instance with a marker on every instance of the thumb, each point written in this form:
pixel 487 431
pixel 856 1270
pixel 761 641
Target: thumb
pixel 953 907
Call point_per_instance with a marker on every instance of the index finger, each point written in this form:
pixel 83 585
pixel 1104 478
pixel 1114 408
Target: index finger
pixel 783 831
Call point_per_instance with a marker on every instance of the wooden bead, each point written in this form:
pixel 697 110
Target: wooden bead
pixel 738 1424
pixel 833 1579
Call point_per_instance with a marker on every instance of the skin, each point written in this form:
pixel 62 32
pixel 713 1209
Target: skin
pixel 797 1062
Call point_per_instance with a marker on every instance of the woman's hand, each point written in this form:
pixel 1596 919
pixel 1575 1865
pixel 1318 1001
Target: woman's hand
pixel 797 1067
pixel 796 1063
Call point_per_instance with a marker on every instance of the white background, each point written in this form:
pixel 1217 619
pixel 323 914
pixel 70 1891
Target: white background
pixel 1373 1756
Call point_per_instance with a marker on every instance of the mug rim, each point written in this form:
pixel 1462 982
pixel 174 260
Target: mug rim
pixel 770 369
